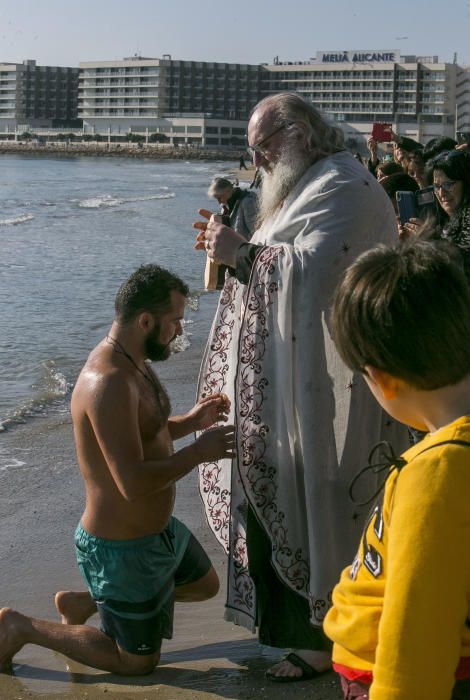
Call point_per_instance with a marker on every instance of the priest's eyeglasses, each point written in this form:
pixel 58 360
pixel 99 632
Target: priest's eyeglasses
pixel 258 147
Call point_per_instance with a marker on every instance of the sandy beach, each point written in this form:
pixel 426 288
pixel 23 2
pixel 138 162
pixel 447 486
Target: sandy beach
pixel 41 500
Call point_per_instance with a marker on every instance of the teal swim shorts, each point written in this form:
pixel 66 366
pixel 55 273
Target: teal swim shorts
pixel 133 582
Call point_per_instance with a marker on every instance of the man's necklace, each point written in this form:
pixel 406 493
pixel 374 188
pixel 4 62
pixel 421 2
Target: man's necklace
pixel 148 374
pixel 118 347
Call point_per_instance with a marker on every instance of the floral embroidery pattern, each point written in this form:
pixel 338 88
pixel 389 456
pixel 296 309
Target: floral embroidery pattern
pixel 256 466
pixel 243 585
pixel 217 499
pixel 257 473
pixel 319 607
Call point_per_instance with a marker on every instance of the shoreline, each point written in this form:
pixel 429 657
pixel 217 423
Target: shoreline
pixel 126 150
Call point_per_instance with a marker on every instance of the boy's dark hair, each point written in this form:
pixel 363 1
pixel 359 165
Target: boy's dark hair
pixel 147 289
pixel 405 310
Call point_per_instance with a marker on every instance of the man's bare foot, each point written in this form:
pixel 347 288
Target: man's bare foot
pixel 11 639
pixel 317 661
pixel 74 608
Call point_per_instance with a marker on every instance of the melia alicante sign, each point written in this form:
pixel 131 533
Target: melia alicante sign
pixel 357 56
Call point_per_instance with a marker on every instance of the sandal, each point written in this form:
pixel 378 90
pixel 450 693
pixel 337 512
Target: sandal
pixel 308 672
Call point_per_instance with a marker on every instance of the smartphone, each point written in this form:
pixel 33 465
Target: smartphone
pixel 415 205
pixel 407 208
pixel 426 202
pixel 381 132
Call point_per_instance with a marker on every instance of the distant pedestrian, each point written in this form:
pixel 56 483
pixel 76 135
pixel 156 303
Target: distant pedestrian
pixel 242 163
pixel 256 182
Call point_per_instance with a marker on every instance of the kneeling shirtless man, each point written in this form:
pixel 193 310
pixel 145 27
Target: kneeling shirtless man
pixel 135 557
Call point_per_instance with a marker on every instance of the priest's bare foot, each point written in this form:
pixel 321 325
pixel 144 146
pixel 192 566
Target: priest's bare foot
pixel 11 637
pixel 74 608
pixel 299 665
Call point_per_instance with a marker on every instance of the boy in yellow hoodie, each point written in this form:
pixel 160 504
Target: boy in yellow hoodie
pixel 400 620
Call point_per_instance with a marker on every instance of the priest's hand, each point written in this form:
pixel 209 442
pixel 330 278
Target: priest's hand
pixel 219 241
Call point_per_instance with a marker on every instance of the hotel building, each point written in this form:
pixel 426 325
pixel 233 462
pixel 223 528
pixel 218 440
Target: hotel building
pixel 185 101
pixel 356 88
pixel 34 96
pixel 208 103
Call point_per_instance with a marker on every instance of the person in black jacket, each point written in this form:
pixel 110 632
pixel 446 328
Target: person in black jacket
pixel 241 206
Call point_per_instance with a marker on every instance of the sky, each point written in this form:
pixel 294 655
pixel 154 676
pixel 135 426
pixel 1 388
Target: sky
pixel 57 32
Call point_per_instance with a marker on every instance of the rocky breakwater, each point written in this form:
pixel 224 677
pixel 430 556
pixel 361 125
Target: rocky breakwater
pixel 130 150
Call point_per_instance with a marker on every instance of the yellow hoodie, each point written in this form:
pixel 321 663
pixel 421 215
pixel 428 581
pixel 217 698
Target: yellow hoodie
pixel 402 609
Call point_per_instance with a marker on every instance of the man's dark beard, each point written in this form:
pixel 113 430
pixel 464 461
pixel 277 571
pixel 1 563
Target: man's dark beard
pixel 154 350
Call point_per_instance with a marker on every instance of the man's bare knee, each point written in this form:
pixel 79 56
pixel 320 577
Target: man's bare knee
pixel 135 665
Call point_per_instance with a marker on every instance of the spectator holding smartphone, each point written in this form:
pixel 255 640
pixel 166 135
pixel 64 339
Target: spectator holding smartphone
pixel 451 179
pixel 398 182
pixel 403 147
pixel 373 161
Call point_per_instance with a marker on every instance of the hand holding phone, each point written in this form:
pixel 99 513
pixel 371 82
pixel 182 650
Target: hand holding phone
pixel 416 205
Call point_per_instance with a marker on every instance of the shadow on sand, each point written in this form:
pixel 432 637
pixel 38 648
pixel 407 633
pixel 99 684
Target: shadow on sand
pixel 229 670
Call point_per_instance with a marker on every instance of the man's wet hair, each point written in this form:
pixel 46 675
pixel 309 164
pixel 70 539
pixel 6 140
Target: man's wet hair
pixel 405 310
pixel 147 289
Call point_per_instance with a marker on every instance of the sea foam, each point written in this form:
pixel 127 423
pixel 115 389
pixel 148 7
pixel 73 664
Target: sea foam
pixel 17 220
pixel 108 200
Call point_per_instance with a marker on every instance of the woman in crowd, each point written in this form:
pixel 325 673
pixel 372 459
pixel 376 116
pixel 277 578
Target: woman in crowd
pixel 451 179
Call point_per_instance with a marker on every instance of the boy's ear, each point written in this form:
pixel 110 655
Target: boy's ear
pixel 388 385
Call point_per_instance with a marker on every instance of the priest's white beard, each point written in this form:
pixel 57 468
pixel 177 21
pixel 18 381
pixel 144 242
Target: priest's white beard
pixel 276 185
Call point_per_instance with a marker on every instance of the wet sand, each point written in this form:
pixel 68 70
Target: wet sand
pixel 41 500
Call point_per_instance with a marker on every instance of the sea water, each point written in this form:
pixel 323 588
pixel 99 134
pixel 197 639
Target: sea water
pixel 71 231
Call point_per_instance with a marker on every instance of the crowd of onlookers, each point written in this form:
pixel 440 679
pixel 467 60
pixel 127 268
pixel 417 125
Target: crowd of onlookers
pixel 444 166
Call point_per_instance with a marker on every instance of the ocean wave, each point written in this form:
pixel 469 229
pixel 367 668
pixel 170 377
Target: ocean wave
pixel 17 220
pixel 49 390
pixel 181 343
pixel 192 301
pixel 108 200
pixel 9 461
